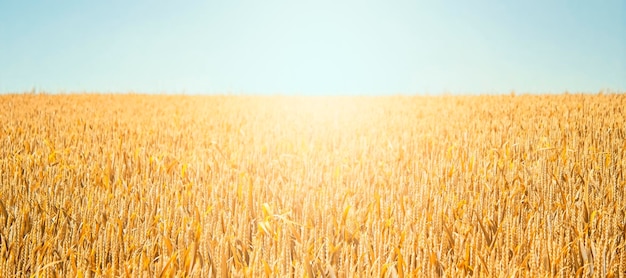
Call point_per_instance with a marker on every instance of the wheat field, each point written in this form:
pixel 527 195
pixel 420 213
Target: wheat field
pixel 281 186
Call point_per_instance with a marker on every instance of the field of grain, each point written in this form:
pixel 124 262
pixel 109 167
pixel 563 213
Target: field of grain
pixel 255 186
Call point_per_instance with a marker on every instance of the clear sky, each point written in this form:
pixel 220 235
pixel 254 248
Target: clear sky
pixel 313 47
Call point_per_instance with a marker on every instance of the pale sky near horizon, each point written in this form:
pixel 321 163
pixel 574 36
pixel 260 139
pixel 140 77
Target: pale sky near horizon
pixel 313 47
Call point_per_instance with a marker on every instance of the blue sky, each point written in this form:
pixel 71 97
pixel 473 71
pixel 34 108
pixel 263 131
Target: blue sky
pixel 313 47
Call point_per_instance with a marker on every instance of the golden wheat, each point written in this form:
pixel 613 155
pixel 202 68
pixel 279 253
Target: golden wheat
pixel 245 186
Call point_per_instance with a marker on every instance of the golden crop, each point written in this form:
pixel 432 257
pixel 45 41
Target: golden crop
pixel 254 186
